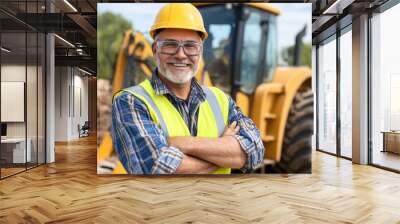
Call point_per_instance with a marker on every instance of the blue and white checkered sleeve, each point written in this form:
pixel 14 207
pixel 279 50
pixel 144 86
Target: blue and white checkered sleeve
pixel 139 142
pixel 248 137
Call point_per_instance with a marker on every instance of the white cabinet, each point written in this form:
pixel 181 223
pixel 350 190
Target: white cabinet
pixel 17 146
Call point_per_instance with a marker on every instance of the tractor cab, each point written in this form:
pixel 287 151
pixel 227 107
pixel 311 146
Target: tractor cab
pixel 241 49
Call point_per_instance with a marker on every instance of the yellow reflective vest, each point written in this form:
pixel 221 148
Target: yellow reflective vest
pixel 212 119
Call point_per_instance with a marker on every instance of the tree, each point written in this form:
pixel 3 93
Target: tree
pixel 288 54
pixel 110 30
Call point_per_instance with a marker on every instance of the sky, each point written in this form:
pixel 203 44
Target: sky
pixel 292 19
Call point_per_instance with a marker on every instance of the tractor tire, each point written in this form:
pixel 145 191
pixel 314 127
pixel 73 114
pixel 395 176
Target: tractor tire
pixel 297 143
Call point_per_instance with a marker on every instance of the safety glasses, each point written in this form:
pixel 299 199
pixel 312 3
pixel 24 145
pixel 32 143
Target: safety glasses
pixel 171 47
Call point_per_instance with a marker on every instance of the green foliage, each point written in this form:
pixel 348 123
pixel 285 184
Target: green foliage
pixel 288 55
pixel 110 30
pixel 306 55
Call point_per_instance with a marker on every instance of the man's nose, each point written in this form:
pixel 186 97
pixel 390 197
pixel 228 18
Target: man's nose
pixel 180 53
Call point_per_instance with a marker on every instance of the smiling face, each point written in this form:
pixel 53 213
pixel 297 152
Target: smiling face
pixel 178 68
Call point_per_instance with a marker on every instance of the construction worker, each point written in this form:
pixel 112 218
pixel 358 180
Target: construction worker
pixel 170 124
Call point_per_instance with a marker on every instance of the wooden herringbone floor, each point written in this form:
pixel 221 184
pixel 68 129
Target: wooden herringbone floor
pixel 69 191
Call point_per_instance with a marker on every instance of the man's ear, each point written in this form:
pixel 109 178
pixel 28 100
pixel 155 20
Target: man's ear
pixel 154 48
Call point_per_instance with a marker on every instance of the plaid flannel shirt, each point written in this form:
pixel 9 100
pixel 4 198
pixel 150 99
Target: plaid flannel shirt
pixel 141 145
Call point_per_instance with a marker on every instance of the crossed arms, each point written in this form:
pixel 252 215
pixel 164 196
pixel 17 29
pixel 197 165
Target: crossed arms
pixel 204 155
pixel 143 149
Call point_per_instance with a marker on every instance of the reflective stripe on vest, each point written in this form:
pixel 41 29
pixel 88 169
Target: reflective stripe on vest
pixel 139 90
pixel 219 117
pixel 212 118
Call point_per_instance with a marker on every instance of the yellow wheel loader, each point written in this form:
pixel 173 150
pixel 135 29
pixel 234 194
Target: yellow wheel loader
pixel 240 57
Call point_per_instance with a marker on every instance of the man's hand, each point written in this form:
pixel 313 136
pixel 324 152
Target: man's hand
pixel 224 151
pixel 192 165
pixel 232 129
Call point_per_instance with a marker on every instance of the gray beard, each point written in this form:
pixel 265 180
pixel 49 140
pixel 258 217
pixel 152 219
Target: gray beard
pixel 178 78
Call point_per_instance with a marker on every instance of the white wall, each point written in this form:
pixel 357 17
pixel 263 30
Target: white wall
pixel 33 126
pixel 80 100
pixel 13 73
pixel 71 93
pixel 61 103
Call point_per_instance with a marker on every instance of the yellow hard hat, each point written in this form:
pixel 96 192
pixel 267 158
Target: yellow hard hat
pixel 179 16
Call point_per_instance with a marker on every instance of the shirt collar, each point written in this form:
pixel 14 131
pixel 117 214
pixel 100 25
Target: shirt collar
pixel 161 89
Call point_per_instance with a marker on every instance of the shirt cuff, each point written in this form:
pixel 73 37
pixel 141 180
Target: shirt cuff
pixel 249 148
pixel 168 161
